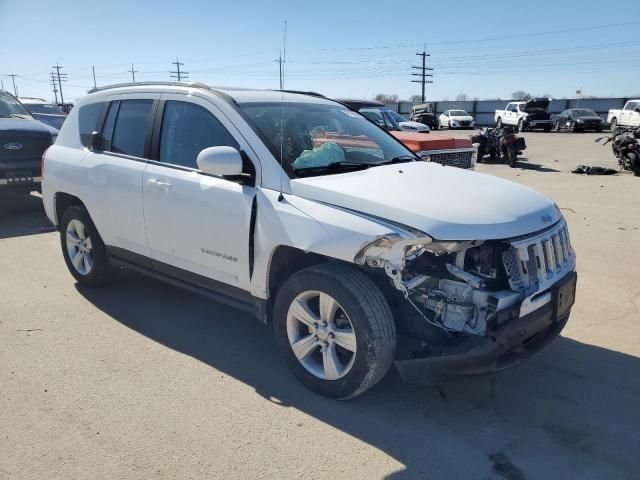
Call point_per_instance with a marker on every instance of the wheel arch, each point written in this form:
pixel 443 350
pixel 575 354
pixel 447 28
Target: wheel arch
pixel 61 202
pixel 285 261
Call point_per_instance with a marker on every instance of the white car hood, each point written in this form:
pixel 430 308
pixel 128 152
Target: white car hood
pixel 447 203
pixel 415 125
pixel 468 118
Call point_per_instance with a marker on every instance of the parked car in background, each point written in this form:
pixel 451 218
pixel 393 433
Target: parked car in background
pixel 578 120
pixel 456 119
pixel 23 141
pixel 454 152
pixel 528 115
pixel 409 125
pixel 297 209
pixel 44 111
pixel 423 113
pixel 629 116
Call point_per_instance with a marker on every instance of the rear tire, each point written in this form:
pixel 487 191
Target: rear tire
pixel 321 363
pixel 83 249
pixel 512 158
pixel 634 160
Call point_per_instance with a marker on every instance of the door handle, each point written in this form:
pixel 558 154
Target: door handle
pixel 152 182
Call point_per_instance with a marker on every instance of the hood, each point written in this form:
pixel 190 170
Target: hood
pixel 590 118
pixel 537 104
pixel 416 141
pixel 25 125
pixel 415 125
pixel 447 203
pixel 462 117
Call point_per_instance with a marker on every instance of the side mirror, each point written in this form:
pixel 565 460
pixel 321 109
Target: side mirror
pixel 220 161
pixel 95 142
pixel 637 109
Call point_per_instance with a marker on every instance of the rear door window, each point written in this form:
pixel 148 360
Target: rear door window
pixel 187 129
pixel 88 120
pixel 131 126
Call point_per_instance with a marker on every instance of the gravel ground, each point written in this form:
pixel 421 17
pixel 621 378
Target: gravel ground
pixel 143 380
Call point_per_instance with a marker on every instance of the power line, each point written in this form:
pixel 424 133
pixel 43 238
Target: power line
pixel 424 76
pixel 177 73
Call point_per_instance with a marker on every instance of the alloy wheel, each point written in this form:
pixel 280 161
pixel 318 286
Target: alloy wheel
pixel 79 247
pixel 321 335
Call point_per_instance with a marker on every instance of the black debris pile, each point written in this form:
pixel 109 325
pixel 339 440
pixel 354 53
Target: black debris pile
pixel 587 170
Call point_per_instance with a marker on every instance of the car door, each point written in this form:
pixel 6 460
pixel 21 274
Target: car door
pixel 197 225
pixel 444 120
pixel 629 116
pixel 509 114
pixel 113 186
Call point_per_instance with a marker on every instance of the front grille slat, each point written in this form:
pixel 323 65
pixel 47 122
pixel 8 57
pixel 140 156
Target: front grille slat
pixel 534 262
pixel 453 159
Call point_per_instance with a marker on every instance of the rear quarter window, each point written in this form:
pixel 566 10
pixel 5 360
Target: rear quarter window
pixel 88 121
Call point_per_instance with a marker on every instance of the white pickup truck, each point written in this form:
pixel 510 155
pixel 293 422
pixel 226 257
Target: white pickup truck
pixel 304 213
pixel 629 116
pixel 527 115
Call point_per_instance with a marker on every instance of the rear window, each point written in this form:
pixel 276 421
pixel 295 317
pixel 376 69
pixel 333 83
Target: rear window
pixel 131 127
pixel 88 120
pixel 47 108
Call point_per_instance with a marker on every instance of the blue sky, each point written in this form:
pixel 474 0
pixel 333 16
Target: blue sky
pixel 339 48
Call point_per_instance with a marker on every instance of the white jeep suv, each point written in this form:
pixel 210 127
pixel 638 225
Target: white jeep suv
pixel 301 211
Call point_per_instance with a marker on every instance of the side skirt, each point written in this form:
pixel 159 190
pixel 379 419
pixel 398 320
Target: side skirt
pixel 213 289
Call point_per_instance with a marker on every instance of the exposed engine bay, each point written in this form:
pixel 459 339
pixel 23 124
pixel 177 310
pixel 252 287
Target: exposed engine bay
pixel 473 287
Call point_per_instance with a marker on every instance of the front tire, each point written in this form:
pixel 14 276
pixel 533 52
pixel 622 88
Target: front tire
pixel 83 249
pixel 512 158
pixel 499 123
pixel 613 124
pixel 335 329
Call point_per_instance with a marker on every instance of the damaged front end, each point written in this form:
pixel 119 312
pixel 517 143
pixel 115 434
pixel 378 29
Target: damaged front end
pixel 473 307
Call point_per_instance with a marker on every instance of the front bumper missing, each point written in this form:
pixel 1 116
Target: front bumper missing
pixel 512 343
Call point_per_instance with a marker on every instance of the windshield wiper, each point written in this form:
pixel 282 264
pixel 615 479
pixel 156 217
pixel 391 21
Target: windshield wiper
pixel 399 159
pixel 336 165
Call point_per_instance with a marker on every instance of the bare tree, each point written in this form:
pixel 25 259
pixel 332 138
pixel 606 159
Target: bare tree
pixel 462 97
pixel 415 99
pixel 385 98
pixel 521 95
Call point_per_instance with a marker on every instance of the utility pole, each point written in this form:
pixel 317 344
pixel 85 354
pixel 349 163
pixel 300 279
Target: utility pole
pixel 93 69
pixel 423 72
pixel 280 62
pixel 61 77
pixel 13 79
pixel 133 73
pixel 177 73
pixel 53 84
pixel 1 84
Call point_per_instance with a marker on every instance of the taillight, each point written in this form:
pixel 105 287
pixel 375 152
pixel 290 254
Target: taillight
pixel 42 163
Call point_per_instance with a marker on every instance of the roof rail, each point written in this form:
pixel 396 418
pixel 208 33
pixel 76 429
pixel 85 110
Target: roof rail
pixel 302 92
pixel 142 84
